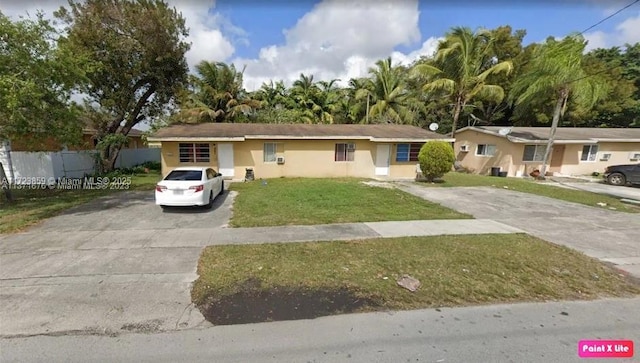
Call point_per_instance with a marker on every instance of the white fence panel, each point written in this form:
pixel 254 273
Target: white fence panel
pixel 77 164
pixel 30 165
pixel 70 164
pixel 132 157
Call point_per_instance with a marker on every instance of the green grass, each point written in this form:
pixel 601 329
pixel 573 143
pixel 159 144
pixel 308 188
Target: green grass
pixel 542 188
pixel 453 270
pixel 301 201
pixel 33 205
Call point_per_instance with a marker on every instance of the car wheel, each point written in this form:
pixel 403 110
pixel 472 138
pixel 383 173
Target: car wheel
pixel 211 197
pixel 617 179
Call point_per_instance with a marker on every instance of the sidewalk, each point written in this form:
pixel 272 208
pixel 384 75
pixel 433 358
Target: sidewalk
pixel 201 237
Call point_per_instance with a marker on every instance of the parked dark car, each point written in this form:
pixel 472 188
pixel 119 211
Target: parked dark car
pixel 622 174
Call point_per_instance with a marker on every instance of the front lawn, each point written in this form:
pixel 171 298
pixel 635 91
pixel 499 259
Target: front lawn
pixel 251 283
pixel 33 205
pixel 299 201
pixel 542 188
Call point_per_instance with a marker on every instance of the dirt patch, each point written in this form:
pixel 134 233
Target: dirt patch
pixel 253 304
pixel 149 326
pixel 379 184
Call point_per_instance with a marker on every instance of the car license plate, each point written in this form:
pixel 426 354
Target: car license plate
pixel 178 191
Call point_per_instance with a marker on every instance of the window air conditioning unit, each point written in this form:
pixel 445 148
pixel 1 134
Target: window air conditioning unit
pixel 464 148
pixel 351 147
pixel 280 160
pixel 605 157
pixel 635 156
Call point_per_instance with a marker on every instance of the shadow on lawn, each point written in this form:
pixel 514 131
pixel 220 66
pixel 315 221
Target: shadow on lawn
pixel 253 304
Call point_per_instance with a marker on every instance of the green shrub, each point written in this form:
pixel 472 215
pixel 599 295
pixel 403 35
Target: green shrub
pixel 436 159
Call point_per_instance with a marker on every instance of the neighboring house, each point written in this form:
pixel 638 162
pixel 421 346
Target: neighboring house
pixel 520 150
pixel 88 142
pixel 295 150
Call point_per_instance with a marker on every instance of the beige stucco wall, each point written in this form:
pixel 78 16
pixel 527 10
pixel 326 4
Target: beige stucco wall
pixel 572 165
pixel 504 156
pixel 303 158
pixel 508 156
pixel 170 157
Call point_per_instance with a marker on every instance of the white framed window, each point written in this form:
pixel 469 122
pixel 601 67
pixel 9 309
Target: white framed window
pixel 589 153
pixel 194 152
pixel 534 152
pixel 345 152
pixel 634 156
pixel 485 150
pixel 269 155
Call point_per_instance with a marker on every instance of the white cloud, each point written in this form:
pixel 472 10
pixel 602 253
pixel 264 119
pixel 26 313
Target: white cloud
pixel 428 49
pixel 627 31
pixel 338 39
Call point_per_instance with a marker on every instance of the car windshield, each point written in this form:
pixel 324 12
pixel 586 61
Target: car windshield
pixel 185 175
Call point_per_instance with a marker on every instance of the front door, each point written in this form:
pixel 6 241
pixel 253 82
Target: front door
pixel 557 156
pixel 382 159
pixel 225 159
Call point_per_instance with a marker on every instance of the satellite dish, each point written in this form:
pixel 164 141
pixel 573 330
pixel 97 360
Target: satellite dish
pixel 433 127
pixel 505 131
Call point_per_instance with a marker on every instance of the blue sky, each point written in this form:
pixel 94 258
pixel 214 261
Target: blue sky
pixel 341 39
pixel 265 24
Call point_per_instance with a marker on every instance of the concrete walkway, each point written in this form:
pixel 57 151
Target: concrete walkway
pixel 607 235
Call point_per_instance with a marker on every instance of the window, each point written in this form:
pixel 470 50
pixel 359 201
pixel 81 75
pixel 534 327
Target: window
pixel 193 153
pixel 190 175
pixel 634 156
pixel 269 155
pixel 534 152
pixel 345 152
pixel 589 153
pixel 485 150
pixel 407 152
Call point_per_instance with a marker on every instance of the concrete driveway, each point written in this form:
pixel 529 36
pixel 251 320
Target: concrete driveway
pixel 625 192
pixel 118 263
pixel 607 235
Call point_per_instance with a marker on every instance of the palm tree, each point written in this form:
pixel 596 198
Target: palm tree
pixel 556 73
pixel 217 94
pixel 386 95
pixel 461 66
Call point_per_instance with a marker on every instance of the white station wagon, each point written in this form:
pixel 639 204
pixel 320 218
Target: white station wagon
pixel 189 186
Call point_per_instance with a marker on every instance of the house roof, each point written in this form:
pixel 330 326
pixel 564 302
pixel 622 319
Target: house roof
pixel 93 131
pixel 242 131
pixel 565 135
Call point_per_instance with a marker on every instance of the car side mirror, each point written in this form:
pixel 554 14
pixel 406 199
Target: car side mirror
pixel 218 174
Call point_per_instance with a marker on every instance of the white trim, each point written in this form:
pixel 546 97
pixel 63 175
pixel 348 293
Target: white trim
pixel 194 139
pixel 285 137
pixel 407 140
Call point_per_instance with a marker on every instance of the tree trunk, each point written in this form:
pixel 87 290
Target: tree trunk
pixel 4 183
pixel 554 126
pixel 108 159
pixel 456 115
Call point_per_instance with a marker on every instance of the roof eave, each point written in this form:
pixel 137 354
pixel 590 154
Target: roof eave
pixel 193 139
pixel 411 139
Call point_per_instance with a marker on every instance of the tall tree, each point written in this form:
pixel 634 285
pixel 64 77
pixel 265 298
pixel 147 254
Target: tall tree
pixel 217 95
pixel 134 55
pixel 36 82
pixel 463 63
pixel 556 73
pixel 386 95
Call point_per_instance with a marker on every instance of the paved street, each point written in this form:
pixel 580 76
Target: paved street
pixel 538 332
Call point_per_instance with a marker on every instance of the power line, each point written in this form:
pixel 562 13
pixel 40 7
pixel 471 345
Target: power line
pixel 609 17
